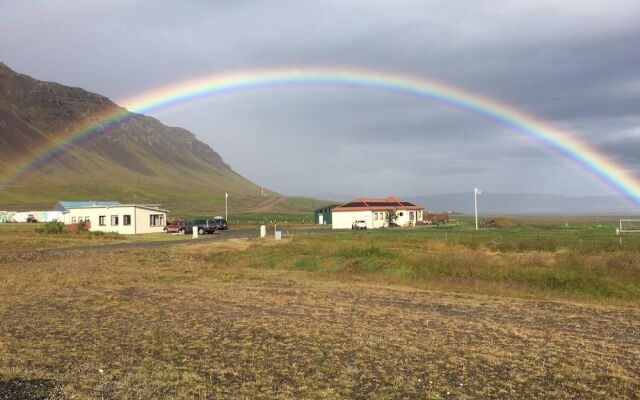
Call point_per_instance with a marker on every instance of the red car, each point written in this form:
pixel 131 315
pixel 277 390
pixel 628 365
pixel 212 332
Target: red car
pixel 176 226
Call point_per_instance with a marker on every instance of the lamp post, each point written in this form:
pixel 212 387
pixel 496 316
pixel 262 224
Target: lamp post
pixel 476 192
pixel 226 208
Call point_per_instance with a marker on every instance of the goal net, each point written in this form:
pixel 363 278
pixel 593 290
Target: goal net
pixel 628 226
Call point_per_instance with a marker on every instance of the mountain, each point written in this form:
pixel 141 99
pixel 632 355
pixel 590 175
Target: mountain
pixel 136 160
pixel 524 204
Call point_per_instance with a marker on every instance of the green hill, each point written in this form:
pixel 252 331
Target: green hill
pixel 140 160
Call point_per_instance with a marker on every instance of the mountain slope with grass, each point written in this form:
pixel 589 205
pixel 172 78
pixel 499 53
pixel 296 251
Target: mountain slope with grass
pixel 136 160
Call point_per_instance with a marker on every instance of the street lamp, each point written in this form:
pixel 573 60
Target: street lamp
pixel 476 192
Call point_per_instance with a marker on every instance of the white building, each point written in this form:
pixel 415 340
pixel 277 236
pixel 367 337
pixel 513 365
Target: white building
pixel 126 219
pixel 375 213
pixel 40 216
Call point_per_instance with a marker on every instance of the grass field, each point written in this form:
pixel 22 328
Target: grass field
pixel 543 308
pixel 23 237
pixel 256 219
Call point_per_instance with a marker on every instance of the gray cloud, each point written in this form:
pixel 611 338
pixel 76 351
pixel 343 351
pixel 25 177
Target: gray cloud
pixel 571 63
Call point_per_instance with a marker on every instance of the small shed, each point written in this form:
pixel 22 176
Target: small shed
pixel 322 216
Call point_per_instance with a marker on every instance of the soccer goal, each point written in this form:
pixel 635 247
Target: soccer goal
pixel 628 226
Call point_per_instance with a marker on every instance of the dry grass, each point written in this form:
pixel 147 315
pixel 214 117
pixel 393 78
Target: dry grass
pixel 209 321
pixel 24 238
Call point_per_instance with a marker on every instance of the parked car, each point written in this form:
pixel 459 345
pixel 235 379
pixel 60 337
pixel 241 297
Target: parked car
pixel 360 224
pixel 186 228
pixel 203 226
pixel 31 218
pixel 176 226
pixel 221 223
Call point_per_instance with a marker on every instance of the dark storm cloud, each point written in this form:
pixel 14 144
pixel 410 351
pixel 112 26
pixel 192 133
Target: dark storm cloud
pixel 573 64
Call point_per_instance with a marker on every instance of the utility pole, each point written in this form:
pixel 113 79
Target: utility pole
pixel 226 208
pixel 476 192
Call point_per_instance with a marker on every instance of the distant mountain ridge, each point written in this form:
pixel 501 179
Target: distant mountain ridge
pixel 528 204
pixel 138 160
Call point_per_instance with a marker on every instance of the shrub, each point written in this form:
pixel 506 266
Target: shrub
pixel 104 235
pixel 51 227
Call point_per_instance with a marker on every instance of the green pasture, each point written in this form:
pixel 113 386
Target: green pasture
pixel 582 260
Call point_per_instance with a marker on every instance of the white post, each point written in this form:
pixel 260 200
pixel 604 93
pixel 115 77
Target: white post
pixel 263 231
pixel 226 208
pixel 476 192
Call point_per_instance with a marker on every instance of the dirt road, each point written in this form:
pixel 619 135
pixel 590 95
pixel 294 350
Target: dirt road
pixel 220 235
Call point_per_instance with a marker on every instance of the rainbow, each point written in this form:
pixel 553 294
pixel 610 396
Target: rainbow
pixel 589 159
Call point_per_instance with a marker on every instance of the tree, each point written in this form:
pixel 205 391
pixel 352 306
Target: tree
pixel 393 217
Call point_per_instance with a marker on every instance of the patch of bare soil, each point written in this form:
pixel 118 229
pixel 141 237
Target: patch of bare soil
pixel 270 205
pixel 33 389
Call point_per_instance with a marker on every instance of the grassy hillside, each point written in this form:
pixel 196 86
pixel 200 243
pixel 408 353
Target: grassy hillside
pixel 140 160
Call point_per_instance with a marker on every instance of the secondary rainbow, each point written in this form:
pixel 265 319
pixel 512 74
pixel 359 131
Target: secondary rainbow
pixel 223 83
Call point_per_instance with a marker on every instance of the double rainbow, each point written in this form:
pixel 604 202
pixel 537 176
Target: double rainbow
pixel 217 84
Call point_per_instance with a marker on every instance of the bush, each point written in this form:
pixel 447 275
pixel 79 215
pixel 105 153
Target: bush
pixel 51 227
pixel 104 235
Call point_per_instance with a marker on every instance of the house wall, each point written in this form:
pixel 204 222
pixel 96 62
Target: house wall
pixel 139 219
pixel 7 217
pixel 380 219
pixel 41 216
pixel 406 218
pixel 344 219
pixel 325 213
pixel 142 221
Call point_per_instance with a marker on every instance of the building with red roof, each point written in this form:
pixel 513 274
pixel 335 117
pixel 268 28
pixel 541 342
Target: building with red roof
pixel 376 213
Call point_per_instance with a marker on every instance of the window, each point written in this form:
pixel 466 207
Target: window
pixel 114 220
pixel 126 220
pixel 102 220
pixel 375 216
pixel 400 214
pixel 86 218
pixel 156 220
pixel 74 220
pixel 411 215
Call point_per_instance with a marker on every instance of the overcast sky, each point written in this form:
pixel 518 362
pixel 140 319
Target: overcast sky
pixel 574 64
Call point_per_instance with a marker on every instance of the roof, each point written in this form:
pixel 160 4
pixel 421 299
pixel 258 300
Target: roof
pixel 329 206
pixel 153 207
pixel 65 205
pixel 366 204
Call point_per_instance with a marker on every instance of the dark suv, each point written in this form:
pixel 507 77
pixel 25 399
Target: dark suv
pixel 205 225
pixel 221 223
